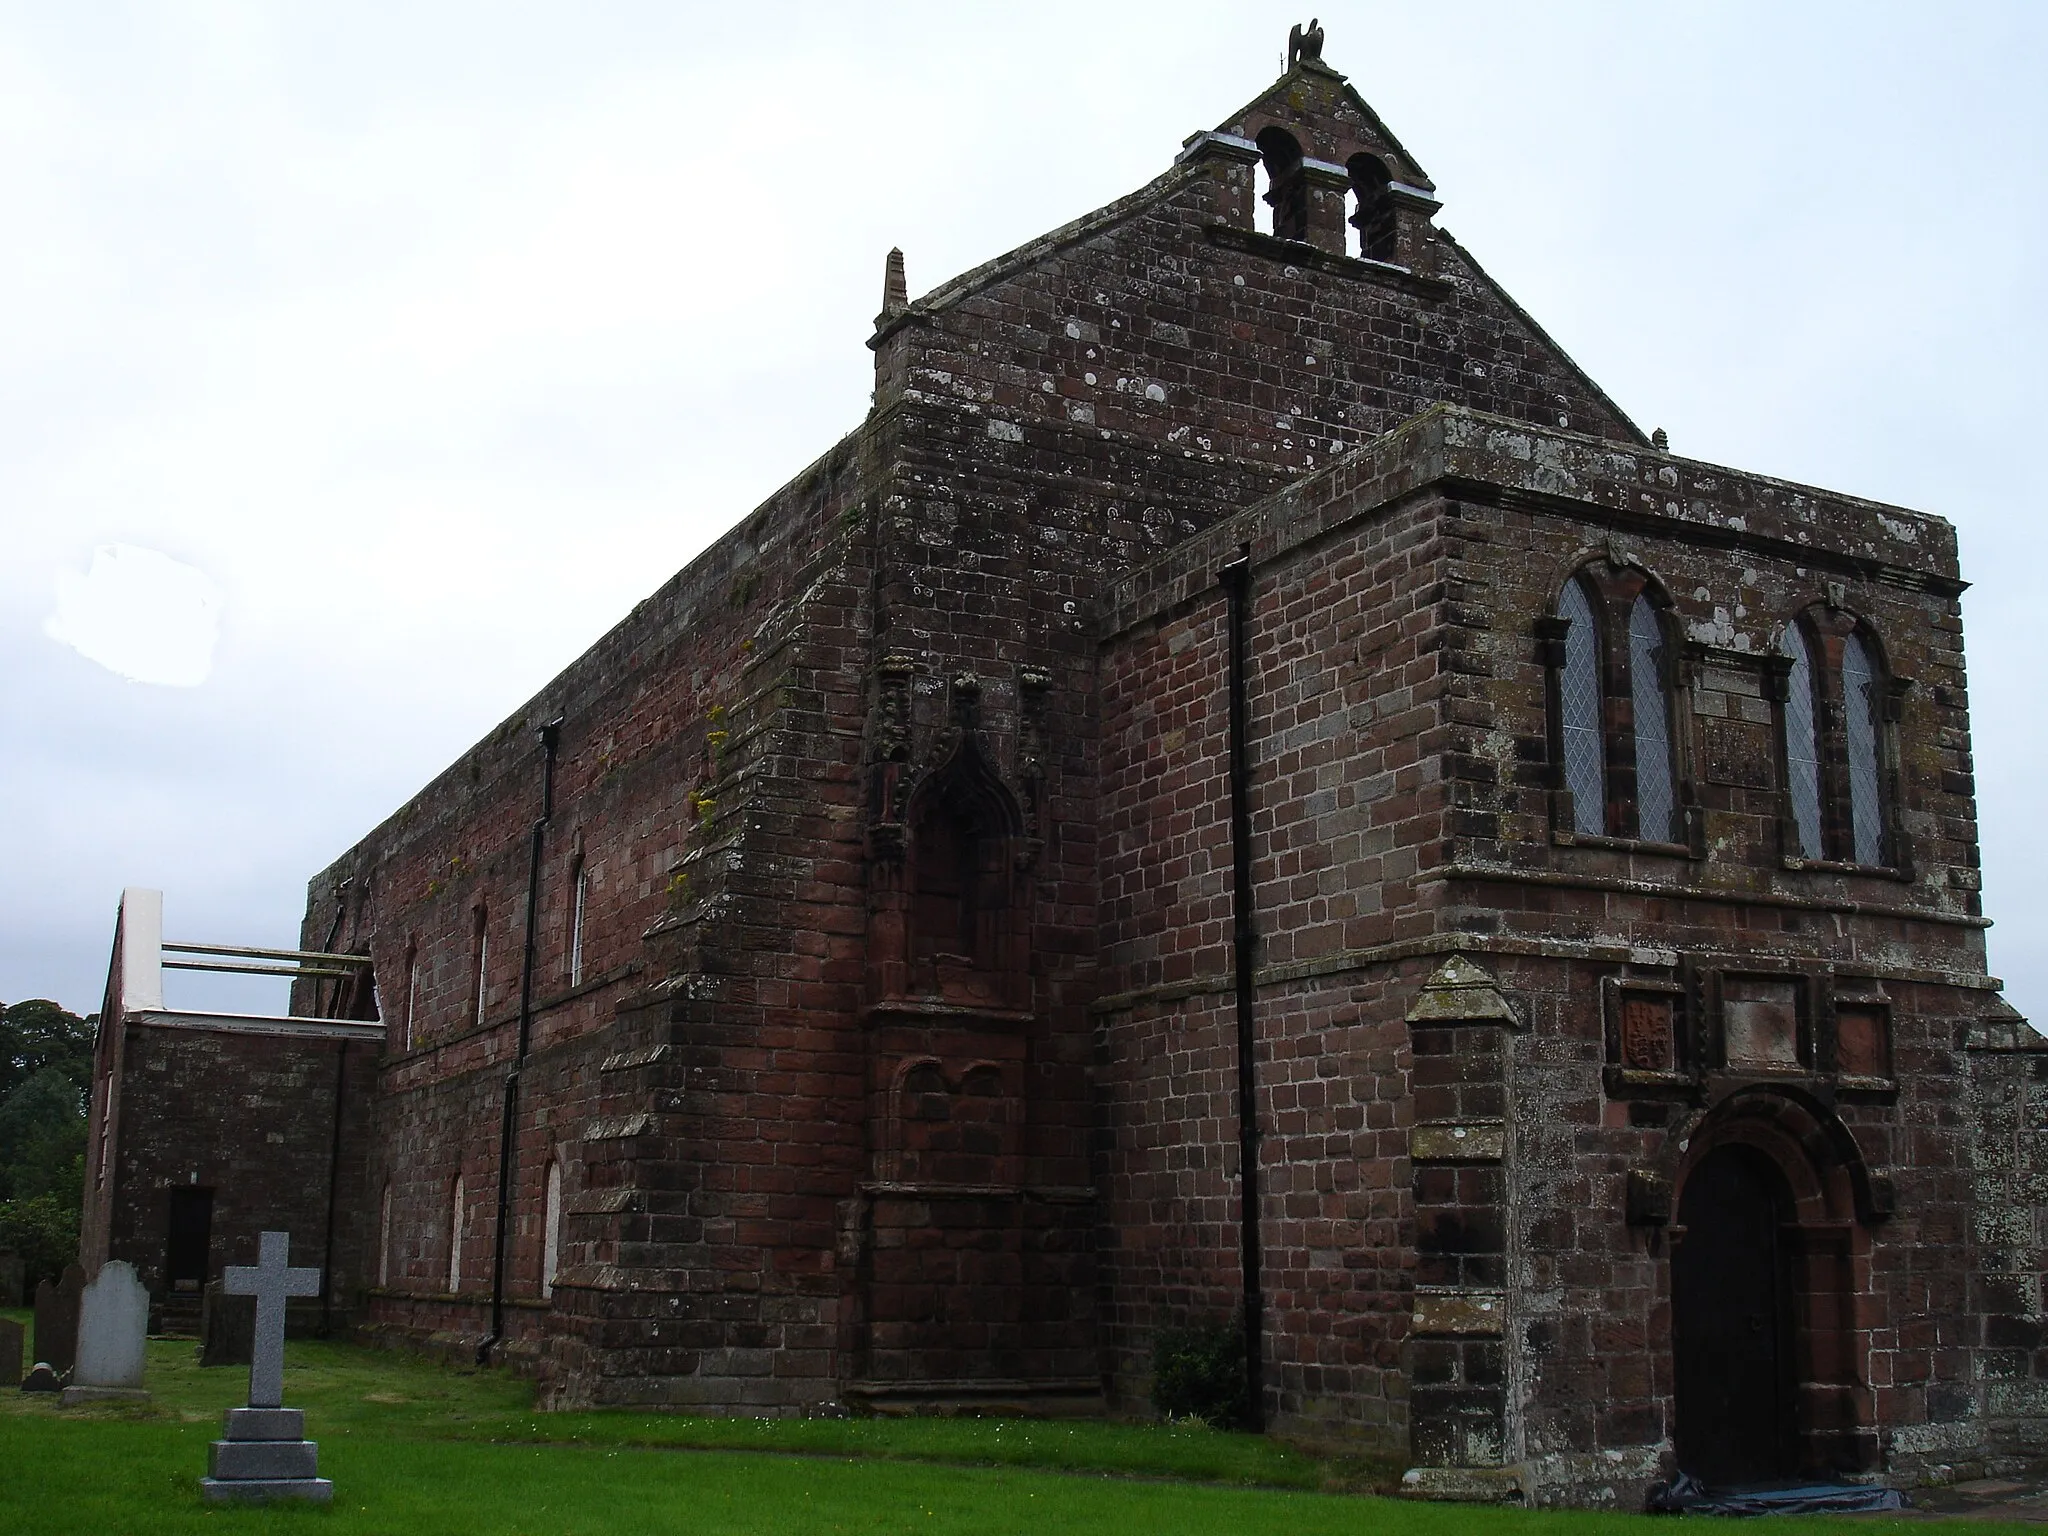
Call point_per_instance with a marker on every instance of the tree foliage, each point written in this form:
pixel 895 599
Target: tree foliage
pixel 38 1035
pixel 45 1080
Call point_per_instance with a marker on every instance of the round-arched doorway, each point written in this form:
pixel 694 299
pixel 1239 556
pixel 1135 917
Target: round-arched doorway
pixel 1732 1320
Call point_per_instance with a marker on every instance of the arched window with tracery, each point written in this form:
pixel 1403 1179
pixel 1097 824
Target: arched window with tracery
pixel 1837 724
pixel 1286 186
pixel 1802 745
pixel 1650 690
pixel 1862 725
pixel 1579 703
pixel 1612 663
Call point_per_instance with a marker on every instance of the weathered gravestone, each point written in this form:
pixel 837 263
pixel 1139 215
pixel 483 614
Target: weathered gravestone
pixel 10 1353
pixel 57 1320
pixel 113 1325
pixel 265 1456
pixel 41 1379
pixel 227 1328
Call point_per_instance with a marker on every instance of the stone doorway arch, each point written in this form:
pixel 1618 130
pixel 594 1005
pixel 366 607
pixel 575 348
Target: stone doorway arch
pixel 1769 1282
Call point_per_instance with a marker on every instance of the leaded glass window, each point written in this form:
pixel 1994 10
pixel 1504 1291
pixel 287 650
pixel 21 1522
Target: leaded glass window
pixel 1860 708
pixel 1585 753
pixel 1802 745
pixel 1654 796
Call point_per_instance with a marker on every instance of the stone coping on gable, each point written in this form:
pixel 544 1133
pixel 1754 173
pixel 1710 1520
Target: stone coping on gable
pixel 288 1026
pixel 1473 455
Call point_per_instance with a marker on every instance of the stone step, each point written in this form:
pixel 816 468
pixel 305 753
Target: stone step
pixel 257 1490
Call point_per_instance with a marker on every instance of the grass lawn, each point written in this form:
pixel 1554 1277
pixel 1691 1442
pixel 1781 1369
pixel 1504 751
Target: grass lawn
pixel 418 1449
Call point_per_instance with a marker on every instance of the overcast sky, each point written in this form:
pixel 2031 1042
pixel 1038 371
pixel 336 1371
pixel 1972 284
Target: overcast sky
pixel 382 356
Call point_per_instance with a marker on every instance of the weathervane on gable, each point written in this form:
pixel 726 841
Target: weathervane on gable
pixel 1305 43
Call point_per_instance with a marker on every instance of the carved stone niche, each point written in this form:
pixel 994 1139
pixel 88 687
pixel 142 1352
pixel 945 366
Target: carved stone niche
pixel 950 856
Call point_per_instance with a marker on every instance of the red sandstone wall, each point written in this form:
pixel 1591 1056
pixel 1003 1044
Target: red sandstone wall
pixel 660 764
pixel 1345 700
pixel 1340 712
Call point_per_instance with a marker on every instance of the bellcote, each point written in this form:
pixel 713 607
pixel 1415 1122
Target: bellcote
pixel 1334 175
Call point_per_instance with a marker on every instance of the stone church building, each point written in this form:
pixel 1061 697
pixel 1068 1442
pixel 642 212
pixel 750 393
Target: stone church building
pixel 1242 700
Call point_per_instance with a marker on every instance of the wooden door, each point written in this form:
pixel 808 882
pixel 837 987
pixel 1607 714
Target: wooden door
pixel 1730 1320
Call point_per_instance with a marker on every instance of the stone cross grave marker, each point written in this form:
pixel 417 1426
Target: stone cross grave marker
pixel 271 1280
pixel 265 1455
pixel 113 1324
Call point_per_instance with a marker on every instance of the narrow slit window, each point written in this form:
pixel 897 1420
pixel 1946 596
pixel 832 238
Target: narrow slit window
pixel 1802 745
pixel 384 1240
pixel 412 993
pixel 578 897
pixel 1585 753
pixel 483 963
pixel 551 1230
pixel 1860 707
pixel 455 1238
pixel 1655 798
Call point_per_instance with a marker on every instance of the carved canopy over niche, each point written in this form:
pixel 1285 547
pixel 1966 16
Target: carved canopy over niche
pixel 950 850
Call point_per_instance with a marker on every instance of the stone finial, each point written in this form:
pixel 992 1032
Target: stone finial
pixel 895 288
pixel 1305 43
pixel 1661 440
pixel 1459 992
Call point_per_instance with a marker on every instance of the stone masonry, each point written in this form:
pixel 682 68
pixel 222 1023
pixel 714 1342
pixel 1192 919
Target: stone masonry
pixel 879 1015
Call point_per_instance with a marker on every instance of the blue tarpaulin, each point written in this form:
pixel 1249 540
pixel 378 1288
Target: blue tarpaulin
pixel 1687 1495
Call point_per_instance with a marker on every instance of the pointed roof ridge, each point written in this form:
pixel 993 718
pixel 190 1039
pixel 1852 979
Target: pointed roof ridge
pixel 965 284
pixel 1365 109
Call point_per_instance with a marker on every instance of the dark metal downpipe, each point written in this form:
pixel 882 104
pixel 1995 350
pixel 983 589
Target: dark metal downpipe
pixel 508 1125
pixel 1236 579
pixel 320 1009
pixel 333 1191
